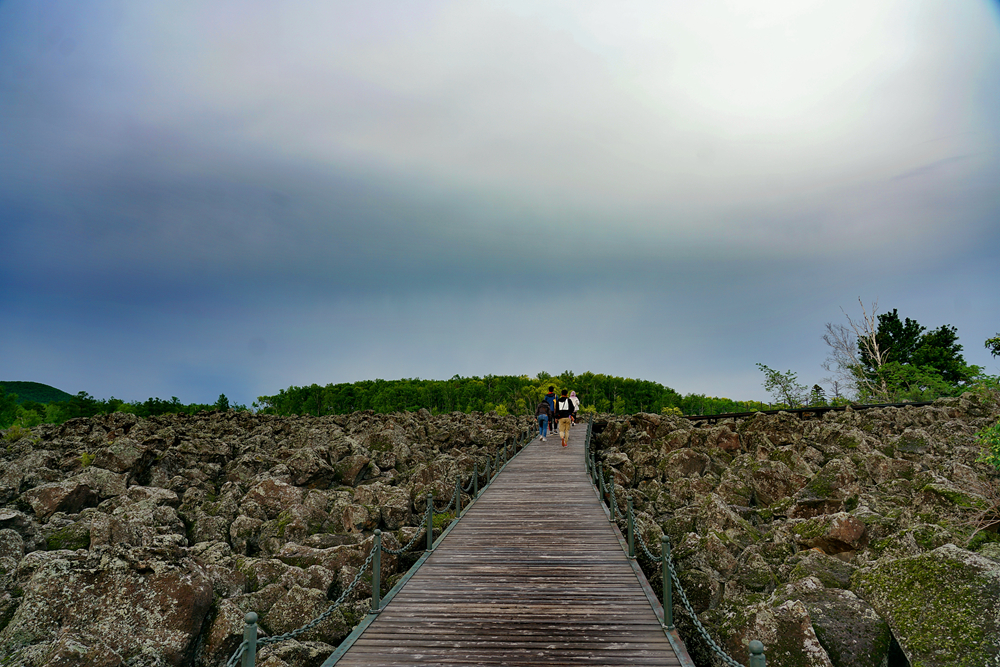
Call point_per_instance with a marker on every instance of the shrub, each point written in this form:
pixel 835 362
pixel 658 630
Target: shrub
pixel 16 432
pixel 989 439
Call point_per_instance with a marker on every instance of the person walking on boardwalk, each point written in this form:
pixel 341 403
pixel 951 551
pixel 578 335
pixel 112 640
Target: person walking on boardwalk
pixel 542 413
pixel 550 398
pixel 576 405
pixel 564 412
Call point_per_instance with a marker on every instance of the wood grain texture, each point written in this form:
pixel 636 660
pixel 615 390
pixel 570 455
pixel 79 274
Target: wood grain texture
pixel 533 574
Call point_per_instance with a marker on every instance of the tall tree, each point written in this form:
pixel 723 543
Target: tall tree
pixel 784 387
pixel 8 408
pixel 993 345
pixel 899 339
pixel 889 358
pixel 853 348
pixel 939 349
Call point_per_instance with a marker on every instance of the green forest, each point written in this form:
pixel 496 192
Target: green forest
pixel 506 394
pixel 28 404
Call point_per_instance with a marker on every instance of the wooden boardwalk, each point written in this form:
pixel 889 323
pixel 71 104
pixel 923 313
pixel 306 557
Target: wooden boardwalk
pixel 533 574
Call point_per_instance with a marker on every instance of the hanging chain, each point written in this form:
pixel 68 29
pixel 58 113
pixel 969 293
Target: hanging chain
pixel 450 503
pixel 311 624
pixel 235 659
pixel 326 614
pixel 403 550
pixel 687 605
pixel 697 622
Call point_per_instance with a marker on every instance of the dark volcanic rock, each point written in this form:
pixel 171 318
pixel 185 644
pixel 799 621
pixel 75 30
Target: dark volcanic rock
pixel 128 541
pixel 812 535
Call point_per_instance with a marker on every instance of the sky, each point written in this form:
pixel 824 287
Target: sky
pixel 244 195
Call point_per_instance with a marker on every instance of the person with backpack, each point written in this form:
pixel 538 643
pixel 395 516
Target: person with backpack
pixel 564 412
pixel 550 398
pixel 542 413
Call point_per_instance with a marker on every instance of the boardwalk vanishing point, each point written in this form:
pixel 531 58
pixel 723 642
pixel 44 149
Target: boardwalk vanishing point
pixel 533 574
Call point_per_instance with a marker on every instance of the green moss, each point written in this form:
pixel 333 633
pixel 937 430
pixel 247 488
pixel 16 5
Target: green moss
pixel 929 537
pixel 782 505
pixel 952 495
pixel 879 546
pixel 380 444
pixel 981 538
pixel 851 504
pixel 282 522
pixel 253 584
pixel 71 537
pixel 810 528
pixel 819 487
pixel 848 441
pixel 86 459
pixel 936 606
pixel 441 521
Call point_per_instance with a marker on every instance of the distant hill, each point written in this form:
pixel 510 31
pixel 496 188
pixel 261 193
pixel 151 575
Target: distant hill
pixel 35 391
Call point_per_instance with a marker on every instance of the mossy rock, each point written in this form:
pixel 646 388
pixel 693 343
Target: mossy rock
pixel 943 606
pixel 831 572
pixel 948 494
pixel 847 628
pixel 74 536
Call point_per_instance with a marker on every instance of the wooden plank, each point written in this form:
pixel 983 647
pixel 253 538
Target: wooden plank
pixel 533 574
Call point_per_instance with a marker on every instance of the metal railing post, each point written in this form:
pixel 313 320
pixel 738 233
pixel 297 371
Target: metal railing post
pixel 756 654
pixel 611 496
pixel 600 478
pixel 458 495
pixel 377 572
pixel 430 522
pixel 668 585
pixel 475 479
pixel 631 530
pixel 250 638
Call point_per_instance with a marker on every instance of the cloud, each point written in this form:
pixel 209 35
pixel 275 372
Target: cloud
pixel 238 183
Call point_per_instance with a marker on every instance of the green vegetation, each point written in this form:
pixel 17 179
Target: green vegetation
pixel 989 438
pixel 34 392
pixel 784 387
pixel 28 413
pixel 993 345
pixel 884 358
pixel 15 433
pixel 506 394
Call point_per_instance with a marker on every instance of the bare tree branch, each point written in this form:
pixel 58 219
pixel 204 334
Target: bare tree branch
pixel 848 345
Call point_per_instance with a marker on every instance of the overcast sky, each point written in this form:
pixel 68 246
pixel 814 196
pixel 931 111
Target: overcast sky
pixel 239 196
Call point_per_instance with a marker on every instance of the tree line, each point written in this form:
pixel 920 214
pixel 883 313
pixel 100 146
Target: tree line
pixel 505 394
pixel 28 413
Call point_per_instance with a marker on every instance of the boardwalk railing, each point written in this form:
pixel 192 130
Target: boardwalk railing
pixel 246 653
pixel 608 496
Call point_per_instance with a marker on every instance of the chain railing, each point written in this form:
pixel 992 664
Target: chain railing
pixel 671 580
pixel 246 653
